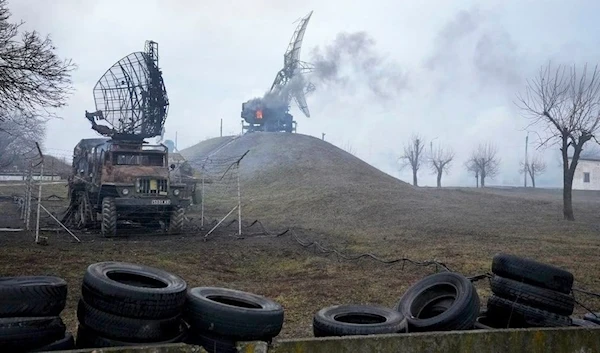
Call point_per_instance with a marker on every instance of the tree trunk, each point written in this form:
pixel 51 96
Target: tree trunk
pixel 567 181
pixel 415 177
pixel 532 179
pixel 439 178
pixel 482 179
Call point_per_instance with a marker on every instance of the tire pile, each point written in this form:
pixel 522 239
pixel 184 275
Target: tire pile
pixel 219 317
pixel 30 308
pixel 125 304
pixel 526 293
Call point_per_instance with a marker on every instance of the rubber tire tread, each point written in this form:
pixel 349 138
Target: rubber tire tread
pixel 176 220
pixel 87 338
pixel 125 328
pixel 124 300
pixel 109 217
pixel 64 344
pixel 537 297
pixel 19 334
pixel 461 315
pixel 234 322
pixel 533 272
pixel 32 296
pixel 533 317
pixel 325 325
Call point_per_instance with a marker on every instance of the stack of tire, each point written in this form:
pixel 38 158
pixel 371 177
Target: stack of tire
pixel 30 308
pixel 125 304
pixel 527 293
pixel 220 317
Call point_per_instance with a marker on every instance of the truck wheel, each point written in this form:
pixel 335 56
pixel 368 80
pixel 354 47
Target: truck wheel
pixel 176 221
pixel 109 217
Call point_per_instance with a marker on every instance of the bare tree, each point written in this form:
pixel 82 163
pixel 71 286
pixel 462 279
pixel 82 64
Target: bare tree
pixel 533 168
pixel 473 168
pixel 18 134
pixel 413 156
pixel 32 77
pixel 440 162
pixel 349 148
pixel 566 105
pixel 484 161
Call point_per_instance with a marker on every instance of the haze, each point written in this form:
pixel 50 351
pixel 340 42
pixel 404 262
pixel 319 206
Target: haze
pixel 451 69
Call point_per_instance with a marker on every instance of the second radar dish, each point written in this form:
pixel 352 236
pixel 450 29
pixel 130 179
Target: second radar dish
pixel 131 97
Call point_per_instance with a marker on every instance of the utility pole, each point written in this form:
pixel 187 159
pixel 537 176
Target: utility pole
pixel 323 136
pixel 221 127
pixel 526 168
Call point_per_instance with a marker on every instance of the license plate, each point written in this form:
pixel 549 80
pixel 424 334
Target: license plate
pixel 161 202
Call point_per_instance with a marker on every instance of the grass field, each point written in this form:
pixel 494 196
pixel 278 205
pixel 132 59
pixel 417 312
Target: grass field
pixel 462 228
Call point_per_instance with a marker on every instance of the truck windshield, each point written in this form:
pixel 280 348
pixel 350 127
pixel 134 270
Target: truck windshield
pixel 157 160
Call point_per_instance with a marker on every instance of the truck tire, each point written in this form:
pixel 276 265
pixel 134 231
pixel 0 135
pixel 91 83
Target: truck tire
pixel 537 297
pixel 532 272
pixel 32 296
pixel 133 290
pixel 176 220
pixel 109 217
pixel 352 320
pixel 238 315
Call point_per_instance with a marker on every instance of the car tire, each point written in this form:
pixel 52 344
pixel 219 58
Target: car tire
pixel 109 217
pixel 87 338
pixel 425 303
pixel 351 320
pixel 26 333
pixel 583 323
pixel 32 296
pixel 126 328
pixel 532 272
pixel 133 290
pixel 232 313
pixel 593 317
pixel 537 297
pixel 524 315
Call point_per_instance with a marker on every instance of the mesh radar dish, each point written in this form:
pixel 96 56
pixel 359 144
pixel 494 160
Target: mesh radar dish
pixel 270 113
pixel 131 97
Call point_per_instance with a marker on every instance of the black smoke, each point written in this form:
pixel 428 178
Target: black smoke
pixel 351 61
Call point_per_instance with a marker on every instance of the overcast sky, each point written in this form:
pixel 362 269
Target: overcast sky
pixel 456 67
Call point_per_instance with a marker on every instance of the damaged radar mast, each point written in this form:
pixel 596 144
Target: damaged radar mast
pixel 271 113
pixel 120 177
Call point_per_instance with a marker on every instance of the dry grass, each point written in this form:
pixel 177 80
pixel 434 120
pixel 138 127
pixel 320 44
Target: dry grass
pixel 351 207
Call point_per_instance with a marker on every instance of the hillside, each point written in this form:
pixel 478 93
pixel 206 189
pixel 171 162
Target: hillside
pixel 298 180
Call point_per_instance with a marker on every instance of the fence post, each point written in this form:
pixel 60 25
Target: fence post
pixel 28 200
pixel 202 201
pixel 239 200
pixel 37 222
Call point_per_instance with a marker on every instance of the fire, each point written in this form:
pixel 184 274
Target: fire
pixel 259 114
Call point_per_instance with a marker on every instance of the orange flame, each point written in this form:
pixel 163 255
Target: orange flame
pixel 259 114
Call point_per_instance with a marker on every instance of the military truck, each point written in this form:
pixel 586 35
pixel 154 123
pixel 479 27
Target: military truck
pixel 114 180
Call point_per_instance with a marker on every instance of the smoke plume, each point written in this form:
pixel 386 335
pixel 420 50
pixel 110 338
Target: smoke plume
pixel 352 60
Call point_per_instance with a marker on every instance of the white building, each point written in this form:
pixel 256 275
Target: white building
pixel 587 174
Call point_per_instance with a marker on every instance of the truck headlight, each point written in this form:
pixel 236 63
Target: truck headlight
pixel 125 191
pixel 176 192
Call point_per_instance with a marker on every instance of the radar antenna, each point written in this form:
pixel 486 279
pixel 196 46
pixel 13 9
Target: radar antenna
pixel 131 97
pixel 270 113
